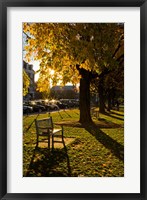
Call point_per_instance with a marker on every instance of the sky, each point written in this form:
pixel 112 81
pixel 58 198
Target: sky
pixel 34 63
pixel 35 68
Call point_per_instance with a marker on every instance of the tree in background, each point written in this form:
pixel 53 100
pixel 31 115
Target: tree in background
pixel 110 83
pixel 76 52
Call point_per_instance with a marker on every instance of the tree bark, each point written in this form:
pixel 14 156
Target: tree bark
pixel 101 96
pixel 109 100
pixel 85 116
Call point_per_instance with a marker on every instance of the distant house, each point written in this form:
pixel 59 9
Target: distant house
pixel 67 92
pixel 31 73
pixel 65 88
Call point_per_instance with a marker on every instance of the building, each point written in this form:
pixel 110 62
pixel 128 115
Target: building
pixel 31 73
pixel 64 92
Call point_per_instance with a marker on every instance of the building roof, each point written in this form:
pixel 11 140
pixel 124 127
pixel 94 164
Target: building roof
pixel 28 66
pixel 66 87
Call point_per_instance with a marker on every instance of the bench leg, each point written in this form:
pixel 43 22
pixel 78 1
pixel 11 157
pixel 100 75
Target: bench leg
pixel 63 137
pixel 48 140
pixel 37 140
pixel 52 142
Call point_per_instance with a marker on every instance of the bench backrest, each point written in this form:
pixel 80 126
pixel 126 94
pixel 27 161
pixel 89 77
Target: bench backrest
pixel 42 123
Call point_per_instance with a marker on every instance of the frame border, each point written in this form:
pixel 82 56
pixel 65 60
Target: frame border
pixel 3 94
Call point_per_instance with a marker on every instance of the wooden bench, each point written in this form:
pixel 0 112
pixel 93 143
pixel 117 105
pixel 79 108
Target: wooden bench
pixel 95 113
pixel 45 128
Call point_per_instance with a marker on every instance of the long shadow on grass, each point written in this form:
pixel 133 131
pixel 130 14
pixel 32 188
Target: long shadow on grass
pixel 111 144
pixel 107 114
pixel 45 163
pixel 116 113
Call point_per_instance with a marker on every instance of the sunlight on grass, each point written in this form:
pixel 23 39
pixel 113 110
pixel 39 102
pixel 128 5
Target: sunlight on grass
pixel 95 150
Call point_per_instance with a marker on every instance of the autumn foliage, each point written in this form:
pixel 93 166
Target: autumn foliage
pixel 77 52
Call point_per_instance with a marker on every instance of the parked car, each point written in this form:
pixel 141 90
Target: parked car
pixel 75 103
pixel 53 106
pixel 45 104
pixel 71 103
pixel 27 109
pixel 60 104
pixel 36 108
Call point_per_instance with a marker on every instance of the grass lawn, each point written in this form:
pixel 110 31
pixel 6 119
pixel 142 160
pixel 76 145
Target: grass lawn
pixel 92 150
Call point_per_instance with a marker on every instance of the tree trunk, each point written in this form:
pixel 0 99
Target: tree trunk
pixel 101 97
pixel 109 100
pixel 85 116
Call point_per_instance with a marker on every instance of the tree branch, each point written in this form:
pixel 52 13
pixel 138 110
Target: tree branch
pixel 28 37
pixel 118 47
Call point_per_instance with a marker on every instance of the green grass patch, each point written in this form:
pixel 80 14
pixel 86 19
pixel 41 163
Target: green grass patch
pixel 91 150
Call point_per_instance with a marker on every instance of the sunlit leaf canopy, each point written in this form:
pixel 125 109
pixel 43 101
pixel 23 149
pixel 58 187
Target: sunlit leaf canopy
pixel 63 46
